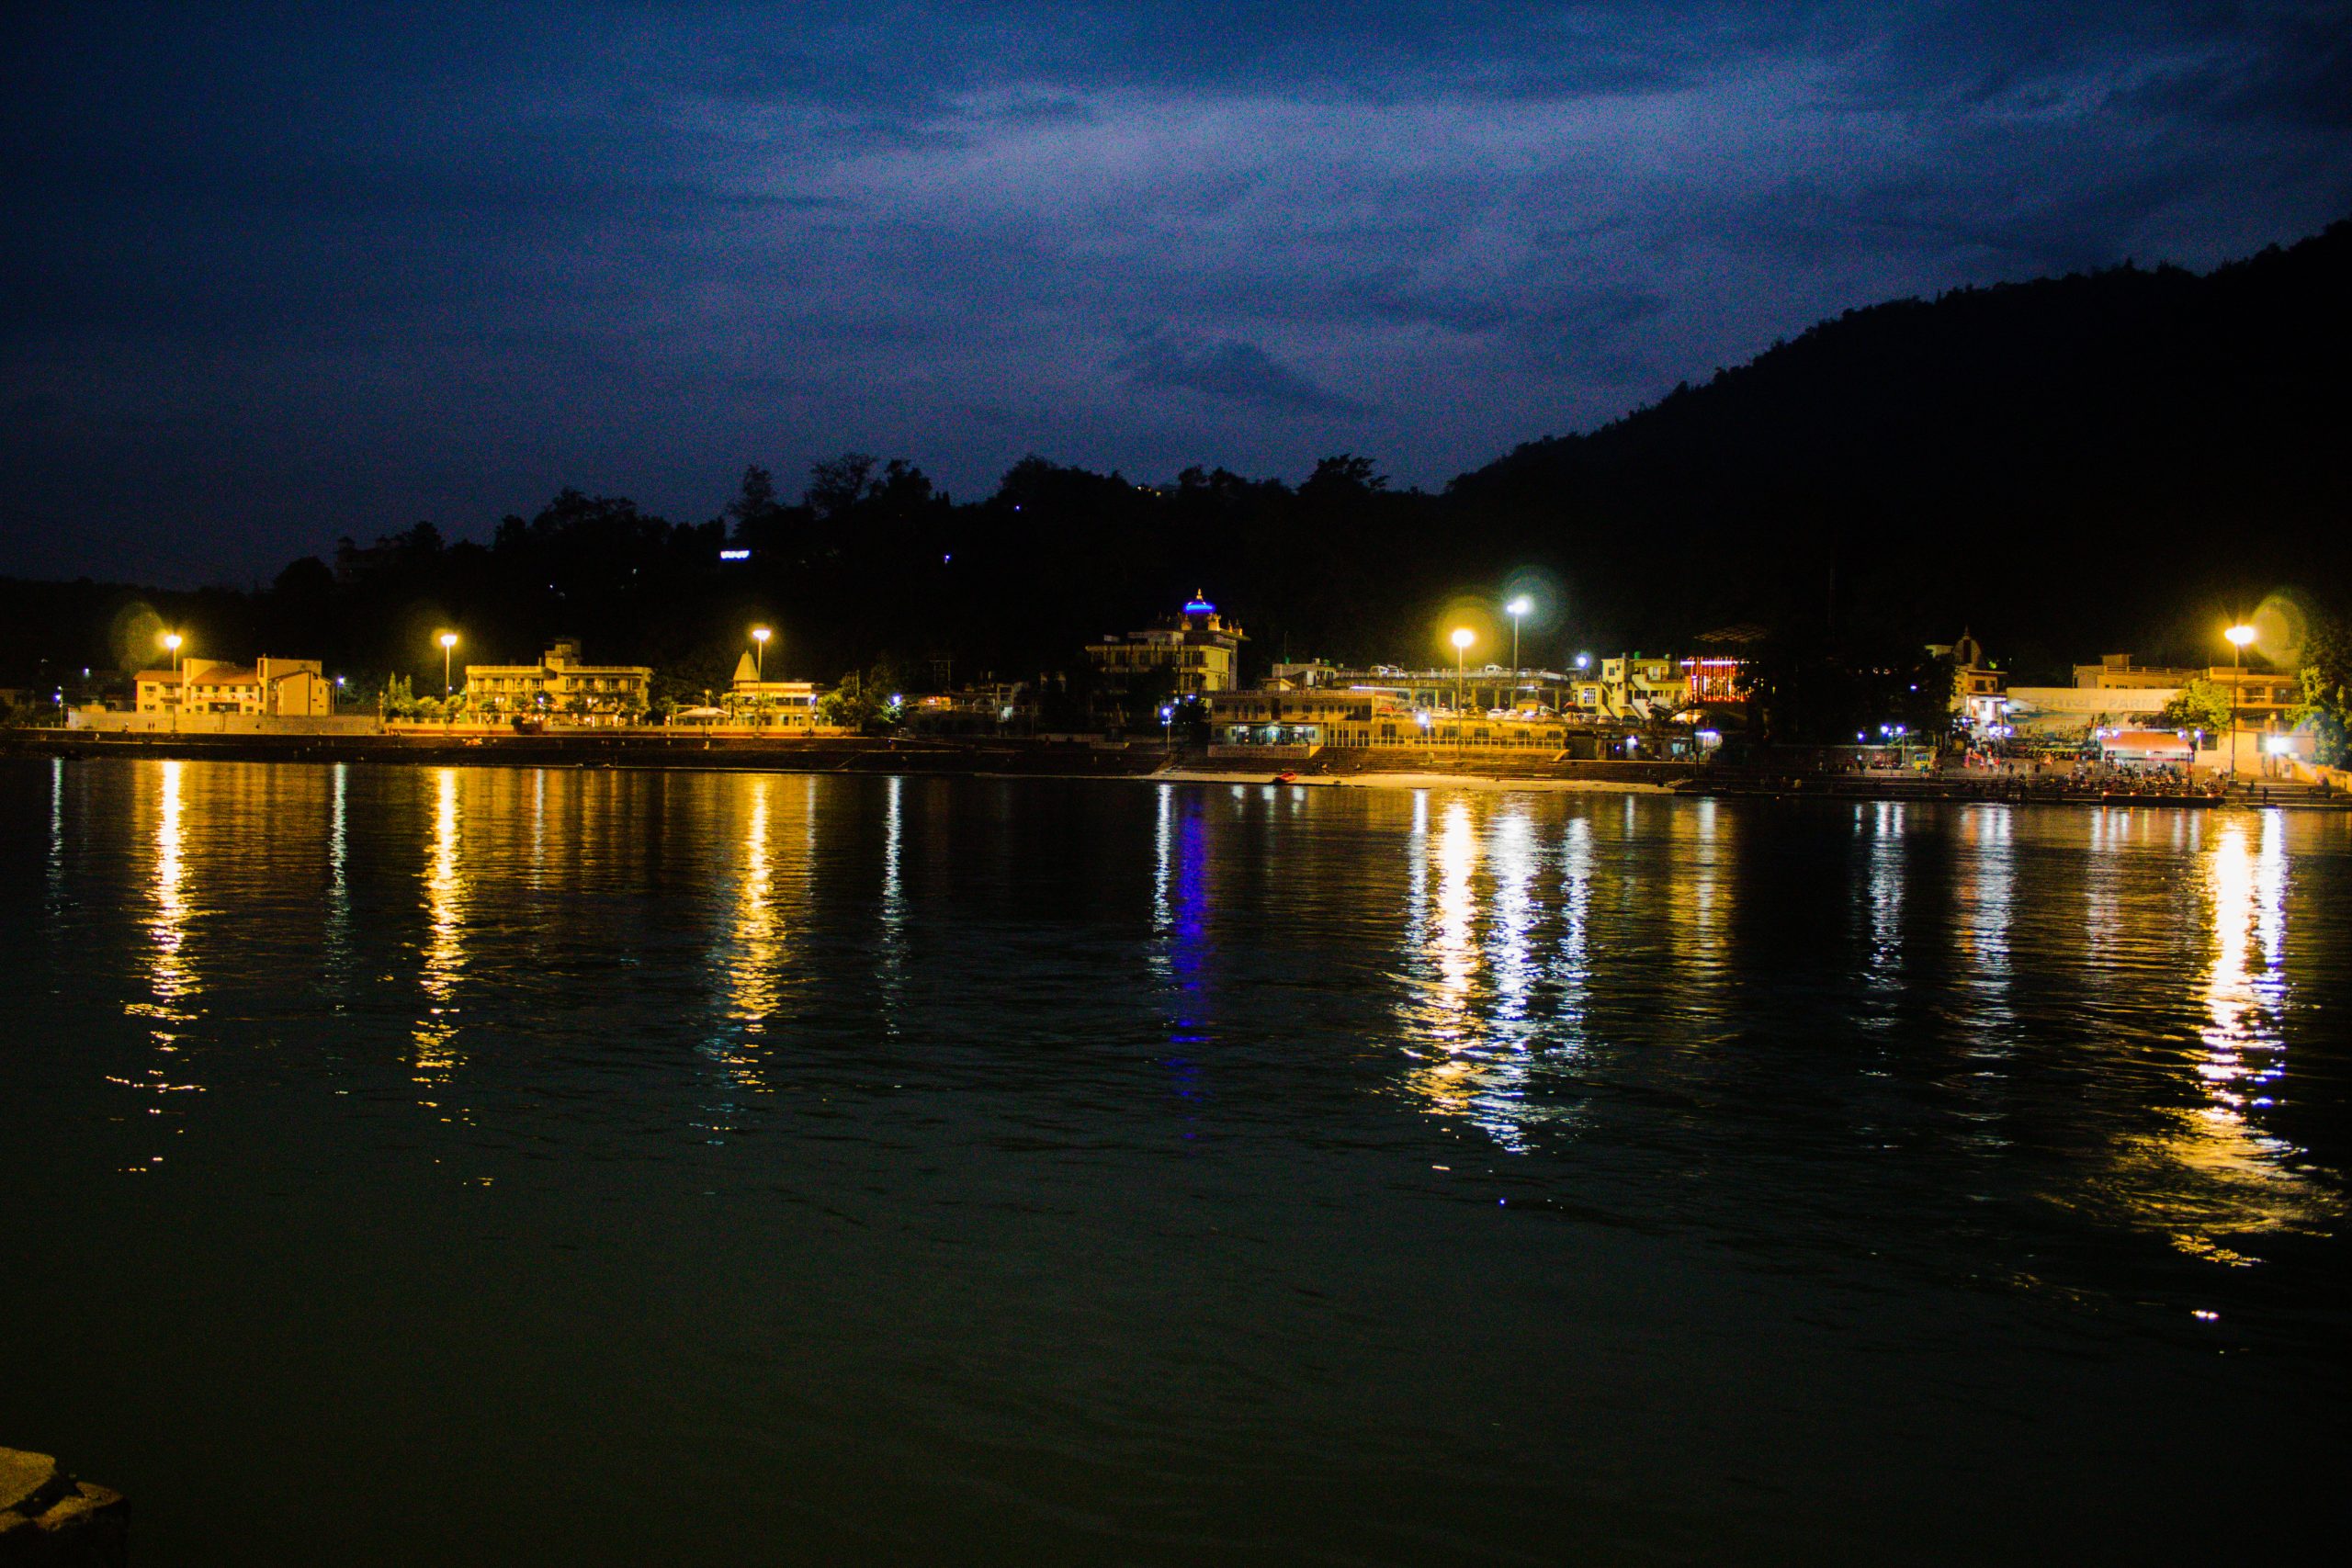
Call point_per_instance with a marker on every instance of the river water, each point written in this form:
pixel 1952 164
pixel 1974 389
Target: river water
pixel 414 1166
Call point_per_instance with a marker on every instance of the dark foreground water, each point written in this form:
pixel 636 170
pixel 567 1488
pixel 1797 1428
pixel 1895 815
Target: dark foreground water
pixel 471 1166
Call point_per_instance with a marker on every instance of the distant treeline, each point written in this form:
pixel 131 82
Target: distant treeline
pixel 2120 461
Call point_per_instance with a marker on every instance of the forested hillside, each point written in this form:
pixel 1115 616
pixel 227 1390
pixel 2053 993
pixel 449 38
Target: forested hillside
pixel 2092 462
pixel 2069 467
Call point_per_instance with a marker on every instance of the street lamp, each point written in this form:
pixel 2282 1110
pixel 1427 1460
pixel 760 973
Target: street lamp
pixel 448 642
pixel 2239 635
pixel 760 636
pixel 172 640
pixel 1167 730
pixel 1515 609
pixel 1462 638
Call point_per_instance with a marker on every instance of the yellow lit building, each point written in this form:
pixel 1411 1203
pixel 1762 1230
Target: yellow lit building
pixel 1629 688
pixel 275 688
pixel 773 704
pixel 1197 649
pixel 560 684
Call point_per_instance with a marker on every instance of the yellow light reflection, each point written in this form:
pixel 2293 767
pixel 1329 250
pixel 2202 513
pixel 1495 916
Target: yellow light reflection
pixel 172 981
pixel 444 957
pixel 170 974
pixel 1471 1066
pixel 752 986
pixel 2231 1178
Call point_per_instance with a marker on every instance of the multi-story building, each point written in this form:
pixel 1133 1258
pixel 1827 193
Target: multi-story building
pixel 1198 651
pixel 1485 688
pixel 275 688
pixel 558 685
pixel 2261 696
pixel 1631 688
pixel 1371 715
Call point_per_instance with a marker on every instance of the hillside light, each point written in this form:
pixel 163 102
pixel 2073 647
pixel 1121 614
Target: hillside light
pixel 2239 635
pixel 760 636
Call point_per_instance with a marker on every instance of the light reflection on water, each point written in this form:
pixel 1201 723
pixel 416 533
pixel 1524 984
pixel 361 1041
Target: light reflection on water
pixel 444 949
pixel 2238 1181
pixel 1901 1051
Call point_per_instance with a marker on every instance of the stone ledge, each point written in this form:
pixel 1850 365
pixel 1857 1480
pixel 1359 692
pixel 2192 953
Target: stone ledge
pixel 48 1519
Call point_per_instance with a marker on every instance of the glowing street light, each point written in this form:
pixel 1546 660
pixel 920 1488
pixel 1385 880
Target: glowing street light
pixel 1515 609
pixel 760 636
pixel 2239 635
pixel 172 640
pixel 449 641
pixel 1461 639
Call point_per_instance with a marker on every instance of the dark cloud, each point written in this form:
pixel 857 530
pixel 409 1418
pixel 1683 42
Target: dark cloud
pixel 315 270
pixel 1239 373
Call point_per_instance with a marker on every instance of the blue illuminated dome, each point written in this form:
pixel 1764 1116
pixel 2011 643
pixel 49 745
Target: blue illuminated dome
pixel 1198 604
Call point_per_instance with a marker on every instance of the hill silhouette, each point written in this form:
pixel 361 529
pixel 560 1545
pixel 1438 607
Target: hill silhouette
pixel 2102 461
pixel 2113 461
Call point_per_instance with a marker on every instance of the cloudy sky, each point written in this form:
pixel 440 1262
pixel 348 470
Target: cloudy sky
pixel 276 274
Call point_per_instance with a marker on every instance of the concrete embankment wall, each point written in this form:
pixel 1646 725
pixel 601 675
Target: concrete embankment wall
pixel 1490 764
pixel 620 749
pixel 108 721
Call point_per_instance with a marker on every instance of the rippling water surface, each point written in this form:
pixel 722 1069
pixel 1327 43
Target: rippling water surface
pixel 481 1165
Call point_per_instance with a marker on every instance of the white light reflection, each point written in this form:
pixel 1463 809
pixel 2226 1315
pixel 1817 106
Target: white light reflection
pixel 338 924
pixel 891 959
pixel 56 836
pixel 1882 906
pixel 1985 890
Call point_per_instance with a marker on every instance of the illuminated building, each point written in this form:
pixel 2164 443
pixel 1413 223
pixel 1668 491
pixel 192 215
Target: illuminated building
pixel 775 705
pixel 277 688
pixel 561 685
pixel 1196 652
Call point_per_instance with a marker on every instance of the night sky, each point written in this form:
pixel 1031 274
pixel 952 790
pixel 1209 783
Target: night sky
pixel 272 274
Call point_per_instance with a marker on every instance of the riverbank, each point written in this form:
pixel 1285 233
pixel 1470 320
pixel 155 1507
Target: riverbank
pixel 1365 768
pixel 1006 757
pixel 1418 780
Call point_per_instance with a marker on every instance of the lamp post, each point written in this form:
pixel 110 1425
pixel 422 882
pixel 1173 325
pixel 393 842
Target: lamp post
pixel 1515 609
pixel 1167 730
pixel 760 636
pixel 172 640
pixel 448 642
pixel 1462 638
pixel 2239 635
